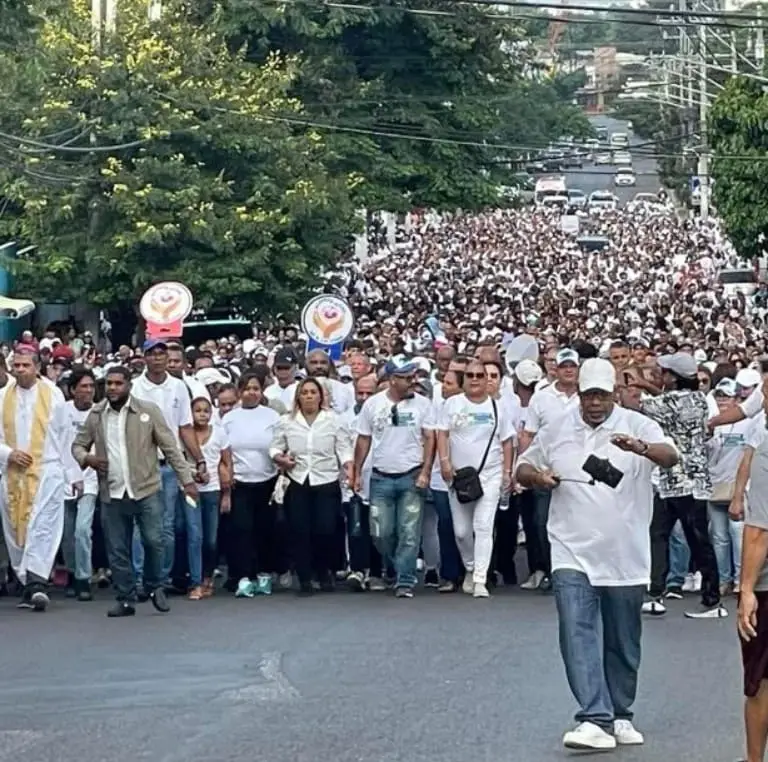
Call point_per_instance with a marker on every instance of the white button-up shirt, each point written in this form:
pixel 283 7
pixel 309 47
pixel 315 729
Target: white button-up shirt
pixel 117 452
pixel 318 448
pixel 592 528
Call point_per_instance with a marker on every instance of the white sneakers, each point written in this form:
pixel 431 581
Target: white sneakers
pixel 533 582
pixel 587 735
pixel 468 585
pixel 481 591
pixel 625 733
pixel 654 607
pixel 692 583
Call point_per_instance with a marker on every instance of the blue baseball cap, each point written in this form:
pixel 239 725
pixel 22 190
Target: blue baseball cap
pixel 151 344
pixel 400 366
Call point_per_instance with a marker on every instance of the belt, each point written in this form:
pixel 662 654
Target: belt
pixel 396 476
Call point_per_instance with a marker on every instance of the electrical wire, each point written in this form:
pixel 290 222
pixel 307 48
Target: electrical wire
pixel 53 147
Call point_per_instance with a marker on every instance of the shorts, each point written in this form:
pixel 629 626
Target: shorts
pixel 754 654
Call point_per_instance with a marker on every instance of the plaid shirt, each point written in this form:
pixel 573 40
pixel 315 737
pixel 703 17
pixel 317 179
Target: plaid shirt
pixel 683 417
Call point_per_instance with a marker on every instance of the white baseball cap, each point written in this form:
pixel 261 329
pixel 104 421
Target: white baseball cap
pixel 567 355
pixel 748 377
pixel 596 373
pixel 528 372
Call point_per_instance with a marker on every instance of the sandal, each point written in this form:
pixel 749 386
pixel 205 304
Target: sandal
pixel 208 589
pixel 196 594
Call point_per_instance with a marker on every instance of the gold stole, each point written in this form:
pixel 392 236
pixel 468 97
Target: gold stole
pixel 22 483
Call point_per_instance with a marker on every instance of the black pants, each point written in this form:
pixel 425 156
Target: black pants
pixel 693 518
pixel 363 556
pixel 313 514
pixel 505 542
pixel 251 545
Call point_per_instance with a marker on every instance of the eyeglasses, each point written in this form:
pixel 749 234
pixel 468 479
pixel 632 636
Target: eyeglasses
pixel 475 376
pixel 494 377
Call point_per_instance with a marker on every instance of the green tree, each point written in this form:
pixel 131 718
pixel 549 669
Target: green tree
pixel 201 185
pixel 417 97
pixel 739 140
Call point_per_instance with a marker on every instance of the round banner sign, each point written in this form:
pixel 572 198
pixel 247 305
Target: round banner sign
pixel 327 319
pixel 164 307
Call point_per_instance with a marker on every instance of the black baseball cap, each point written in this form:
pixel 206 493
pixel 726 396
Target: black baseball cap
pixel 286 356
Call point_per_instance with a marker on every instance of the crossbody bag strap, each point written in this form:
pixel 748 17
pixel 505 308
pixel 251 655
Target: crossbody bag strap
pixel 493 434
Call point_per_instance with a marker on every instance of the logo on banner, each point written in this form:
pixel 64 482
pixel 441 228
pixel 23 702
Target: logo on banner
pixel 164 307
pixel 327 320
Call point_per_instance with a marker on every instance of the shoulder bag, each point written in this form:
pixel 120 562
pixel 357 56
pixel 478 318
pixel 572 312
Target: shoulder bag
pixel 466 481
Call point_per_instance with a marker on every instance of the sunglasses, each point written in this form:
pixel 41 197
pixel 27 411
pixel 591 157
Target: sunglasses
pixel 475 376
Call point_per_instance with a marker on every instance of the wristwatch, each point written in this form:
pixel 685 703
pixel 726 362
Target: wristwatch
pixel 644 449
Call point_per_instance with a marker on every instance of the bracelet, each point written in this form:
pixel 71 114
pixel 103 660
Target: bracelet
pixel 645 449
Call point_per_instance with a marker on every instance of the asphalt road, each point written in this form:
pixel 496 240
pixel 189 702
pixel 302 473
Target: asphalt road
pixel 341 678
pixel 592 178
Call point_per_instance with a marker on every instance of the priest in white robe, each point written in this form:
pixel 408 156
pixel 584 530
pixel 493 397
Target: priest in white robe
pixel 35 466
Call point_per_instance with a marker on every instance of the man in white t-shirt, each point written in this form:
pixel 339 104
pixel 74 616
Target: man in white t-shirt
pixel 79 502
pixel 364 559
pixel 599 577
pixel 546 406
pixel 392 427
pixel 284 368
pixel 170 394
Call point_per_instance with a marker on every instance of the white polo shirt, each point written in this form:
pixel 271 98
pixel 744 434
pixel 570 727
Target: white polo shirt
pixel 171 396
pixel 547 405
pixel 397 443
pixel 594 529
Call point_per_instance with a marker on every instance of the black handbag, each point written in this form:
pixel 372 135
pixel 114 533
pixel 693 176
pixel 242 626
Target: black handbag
pixel 466 481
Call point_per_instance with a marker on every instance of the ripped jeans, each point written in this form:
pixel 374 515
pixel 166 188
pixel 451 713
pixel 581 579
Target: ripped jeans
pixel 397 508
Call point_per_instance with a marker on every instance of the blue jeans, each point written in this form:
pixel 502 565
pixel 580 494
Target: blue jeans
pixel 450 563
pixel 600 629
pixel 726 537
pixel 77 542
pixel 396 513
pixel 171 495
pixel 679 557
pixel 119 519
pixel 208 505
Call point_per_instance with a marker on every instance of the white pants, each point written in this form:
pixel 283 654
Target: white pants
pixel 473 526
pixel 44 530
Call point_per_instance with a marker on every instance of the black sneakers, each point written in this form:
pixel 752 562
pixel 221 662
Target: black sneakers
pixel 160 601
pixel 120 610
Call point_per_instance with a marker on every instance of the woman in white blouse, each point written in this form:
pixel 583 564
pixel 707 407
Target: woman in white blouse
pixel 468 424
pixel 309 445
pixel 249 429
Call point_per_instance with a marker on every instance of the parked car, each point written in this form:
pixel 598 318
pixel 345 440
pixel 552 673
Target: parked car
pixel 603 157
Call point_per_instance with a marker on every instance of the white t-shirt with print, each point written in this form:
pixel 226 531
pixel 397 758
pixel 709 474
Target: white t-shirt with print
pixel 397 442
pixel 469 426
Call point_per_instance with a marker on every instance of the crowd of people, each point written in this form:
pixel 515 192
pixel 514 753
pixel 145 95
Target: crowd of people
pixel 503 389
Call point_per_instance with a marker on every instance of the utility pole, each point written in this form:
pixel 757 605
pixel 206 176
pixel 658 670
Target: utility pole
pixel 703 114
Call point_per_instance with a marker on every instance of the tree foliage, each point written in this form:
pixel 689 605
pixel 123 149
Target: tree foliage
pixel 738 134
pixel 390 80
pixel 229 144
pixel 203 185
